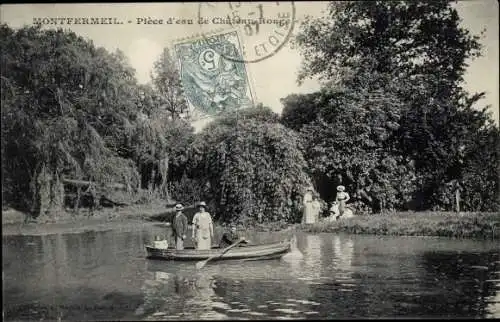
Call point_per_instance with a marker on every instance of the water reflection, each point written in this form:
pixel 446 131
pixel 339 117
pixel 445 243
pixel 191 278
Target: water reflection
pixel 307 268
pixel 344 252
pixel 225 291
pixel 493 303
pixel 467 282
pixel 105 276
pixel 64 275
pixel 177 293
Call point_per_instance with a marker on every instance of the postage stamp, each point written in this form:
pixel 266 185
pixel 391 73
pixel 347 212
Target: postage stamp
pixel 211 82
pixel 264 27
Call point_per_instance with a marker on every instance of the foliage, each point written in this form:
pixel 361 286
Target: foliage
pixel 301 109
pixel 162 138
pixel 187 191
pixel 253 166
pixel 71 101
pixel 160 145
pixel 481 172
pixel 352 142
pixel 416 53
pixel 401 38
pixel 167 85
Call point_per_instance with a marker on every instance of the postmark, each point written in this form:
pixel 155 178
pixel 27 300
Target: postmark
pixel 213 84
pixel 264 27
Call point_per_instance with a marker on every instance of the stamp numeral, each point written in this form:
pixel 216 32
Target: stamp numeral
pixel 207 60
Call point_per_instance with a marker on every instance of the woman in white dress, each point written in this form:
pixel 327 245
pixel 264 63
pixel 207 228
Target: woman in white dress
pixel 312 207
pixel 203 229
pixel 342 198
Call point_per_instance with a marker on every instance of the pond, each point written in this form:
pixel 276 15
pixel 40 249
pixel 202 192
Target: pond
pixel 105 275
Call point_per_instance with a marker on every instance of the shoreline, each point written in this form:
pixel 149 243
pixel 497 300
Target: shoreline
pixel 464 225
pixel 476 225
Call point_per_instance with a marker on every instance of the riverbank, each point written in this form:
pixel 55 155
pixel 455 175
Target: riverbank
pixel 476 225
pixel 440 224
pixel 122 218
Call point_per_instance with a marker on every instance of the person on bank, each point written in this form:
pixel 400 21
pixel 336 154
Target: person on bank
pixel 230 237
pixel 311 207
pixel 341 198
pixel 179 227
pixel 203 229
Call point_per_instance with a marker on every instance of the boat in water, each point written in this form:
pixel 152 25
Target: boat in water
pixel 247 252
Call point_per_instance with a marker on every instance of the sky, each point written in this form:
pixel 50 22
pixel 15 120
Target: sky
pixel 272 78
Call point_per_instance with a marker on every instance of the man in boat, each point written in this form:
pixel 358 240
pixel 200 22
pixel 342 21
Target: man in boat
pixel 203 229
pixel 230 237
pixel 179 226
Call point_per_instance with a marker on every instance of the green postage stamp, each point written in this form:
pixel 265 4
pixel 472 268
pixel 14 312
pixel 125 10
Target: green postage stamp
pixel 213 74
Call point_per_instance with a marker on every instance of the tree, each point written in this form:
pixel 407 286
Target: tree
pixel 167 83
pixel 160 148
pixel 67 108
pixel 253 166
pixel 401 38
pixel 351 141
pixel 299 110
pixel 398 48
pixel 481 172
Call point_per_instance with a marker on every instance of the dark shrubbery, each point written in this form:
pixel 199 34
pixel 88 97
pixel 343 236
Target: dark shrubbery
pixel 254 167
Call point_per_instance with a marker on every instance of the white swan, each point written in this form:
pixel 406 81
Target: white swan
pixel 295 253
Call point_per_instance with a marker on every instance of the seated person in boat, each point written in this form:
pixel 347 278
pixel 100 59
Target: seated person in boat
pixel 230 237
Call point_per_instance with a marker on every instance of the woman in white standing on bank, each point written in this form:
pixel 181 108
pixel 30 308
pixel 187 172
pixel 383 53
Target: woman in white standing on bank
pixel 312 207
pixel 203 229
pixel 342 198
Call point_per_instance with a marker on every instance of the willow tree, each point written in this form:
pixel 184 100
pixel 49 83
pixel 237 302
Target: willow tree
pixel 67 109
pixel 159 146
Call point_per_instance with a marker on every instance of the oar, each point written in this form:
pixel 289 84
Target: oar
pixel 201 264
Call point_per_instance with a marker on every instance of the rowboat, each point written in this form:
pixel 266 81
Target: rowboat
pixel 247 252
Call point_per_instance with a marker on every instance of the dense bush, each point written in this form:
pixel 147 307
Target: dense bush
pixel 253 165
pixel 188 191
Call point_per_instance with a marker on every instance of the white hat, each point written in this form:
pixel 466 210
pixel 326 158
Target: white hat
pixel 340 188
pixel 202 204
pixel 179 207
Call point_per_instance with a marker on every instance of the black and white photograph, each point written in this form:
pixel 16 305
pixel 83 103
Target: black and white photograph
pixel 270 160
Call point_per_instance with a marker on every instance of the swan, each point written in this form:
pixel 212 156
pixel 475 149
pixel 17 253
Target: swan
pixel 295 253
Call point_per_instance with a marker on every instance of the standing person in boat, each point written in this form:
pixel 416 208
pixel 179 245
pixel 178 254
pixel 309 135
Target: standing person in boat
pixel 179 226
pixel 341 198
pixel 203 229
pixel 230 237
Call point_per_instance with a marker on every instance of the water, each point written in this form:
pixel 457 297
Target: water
pixel 105 276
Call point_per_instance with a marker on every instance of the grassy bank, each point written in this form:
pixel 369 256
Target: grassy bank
pixel 445 224
pixel 121 218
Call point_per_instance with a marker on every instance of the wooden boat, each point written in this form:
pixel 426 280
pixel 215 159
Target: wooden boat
pixel 248 252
